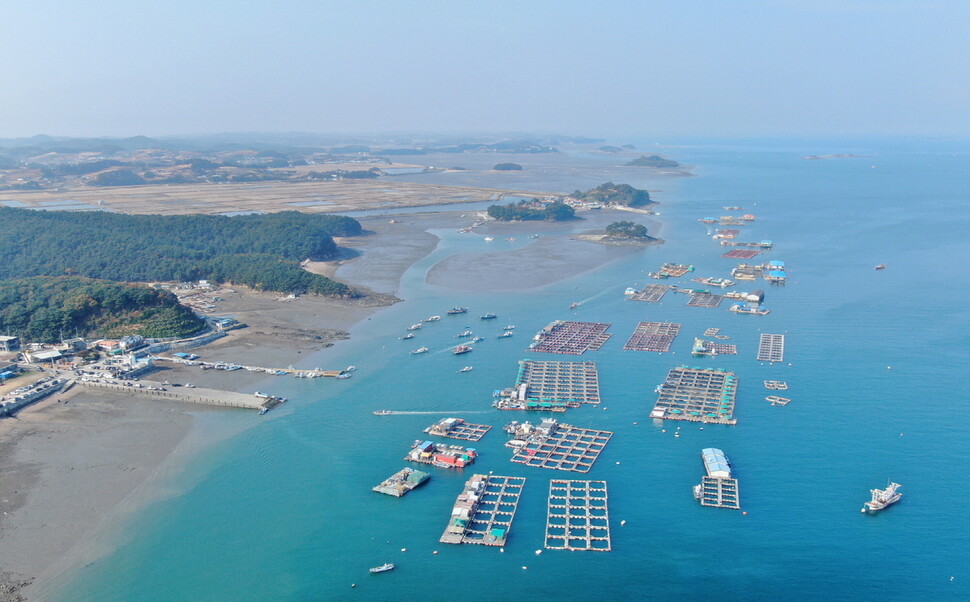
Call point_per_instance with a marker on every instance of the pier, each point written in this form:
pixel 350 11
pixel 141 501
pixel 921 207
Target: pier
pixel 571 338
pixel 577 516
pixel 653 336
pixel 741 254
pixel 456 428
pixel 699 299
pixel 298 372
pixel 697 395
pixel 556 446
pixel 211 397
pixel 771 348
pixel 651 293
pixel 484 510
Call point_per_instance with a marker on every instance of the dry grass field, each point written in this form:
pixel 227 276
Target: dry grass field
pixel 311 197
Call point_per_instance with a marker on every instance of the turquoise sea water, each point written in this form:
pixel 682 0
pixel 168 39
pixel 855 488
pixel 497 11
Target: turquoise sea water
pixel 284 511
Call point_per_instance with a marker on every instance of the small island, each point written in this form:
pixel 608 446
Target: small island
pixel 655 161
pixel 533 210
pixel 621 233
pixel 507 167
pixel 615 194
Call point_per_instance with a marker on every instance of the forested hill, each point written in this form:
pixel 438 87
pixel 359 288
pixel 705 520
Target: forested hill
pixel 616 194
pixel 48 310
pixel 263 251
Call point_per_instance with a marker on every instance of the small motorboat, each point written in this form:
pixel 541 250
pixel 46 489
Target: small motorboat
pixel 466 369
pixel 382 412
pixel 419 350
pixel 388 566
pixel 409 335
pixel 881 266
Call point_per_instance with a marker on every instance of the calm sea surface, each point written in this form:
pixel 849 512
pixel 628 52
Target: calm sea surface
pixel 284 511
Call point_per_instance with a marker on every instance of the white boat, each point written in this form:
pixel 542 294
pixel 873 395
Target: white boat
pixel 882 498
pixel 419 350
pixel 432 319
pixel 466 369
pixel 505 334
pixel 384 567
pixel 414 327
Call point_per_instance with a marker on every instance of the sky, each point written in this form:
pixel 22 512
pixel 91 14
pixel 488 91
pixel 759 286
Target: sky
pixel 595 68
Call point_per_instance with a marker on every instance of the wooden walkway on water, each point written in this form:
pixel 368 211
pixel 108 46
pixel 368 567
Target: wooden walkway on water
pixel 491 502
pixel 653 336
pixel 578 516
pixel 771 348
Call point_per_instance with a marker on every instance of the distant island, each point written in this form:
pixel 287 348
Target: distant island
pixel 655 161
pixel 621 233
pixel 615 194
pixel 818 157
pixel 507 167
pixel 533 210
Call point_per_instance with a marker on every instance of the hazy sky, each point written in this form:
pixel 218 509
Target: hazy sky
pixel 679 67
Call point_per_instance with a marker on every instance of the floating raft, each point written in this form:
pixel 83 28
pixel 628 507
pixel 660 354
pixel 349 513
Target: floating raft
pixel 741 254
pixel 671 270
pixel 771 348
pixel 727 233
pixel 456 428
pixel 571 338
pixel 778 401
pixel 710 332
pixel 776 385
pixel 402 482
pixel 718 489
pixel 653 336
pixel 697 395
pixel 560 447
pixel 651 293
pixel 577 516
pixel 484 510
pixel 704 300
pixel 551 386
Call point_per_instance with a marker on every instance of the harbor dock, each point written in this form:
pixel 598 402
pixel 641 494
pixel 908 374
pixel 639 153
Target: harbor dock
pixel 212 397
pixel 456 428
pixel 556 446
pixel 771 348
pixel 571 338
pixel 653 336
pixel 697 395
pixel 717 489
pixel 441 455
pixel 577 516
pixel 484 510
pixel 551 386
pixel 402 482
pixel 298 372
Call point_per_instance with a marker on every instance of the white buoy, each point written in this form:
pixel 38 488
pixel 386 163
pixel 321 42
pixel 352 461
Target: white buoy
pixel 524 567
pixel 404 549
pixel 435 552
pixel 617 463
pixel 502 550
pixel 622 522
pixel 538 552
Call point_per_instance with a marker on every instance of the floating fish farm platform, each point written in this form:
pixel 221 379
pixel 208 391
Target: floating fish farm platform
pixel 551 386
pixel 671 270
pixel 456 428
pixel 776 385
pixel 484 510
pixel 741 254
pixel 439 454
pixel 704 300
pixel 718 489
pixel 777 401
pixel 556 446
pixel 771 348
pixel 653 336
pixel 651 292
pixel 577 516
pixel 402 482
pixel 697 395
pixel 571 338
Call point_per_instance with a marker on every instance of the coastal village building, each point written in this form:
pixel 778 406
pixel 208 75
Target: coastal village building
pixel 40 357
pixel 9 343
pixel 8 370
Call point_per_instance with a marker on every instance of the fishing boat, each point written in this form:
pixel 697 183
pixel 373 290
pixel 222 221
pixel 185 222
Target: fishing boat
pixel 466 369
pixel 505 334
pixel 419 350
pixel 881 266
pixel 462 349
pixel 414 327
pixel 488 316
pixel 573 305
pixel 509 327
pixel 882 498
pixel 409 335
pixel 383 568
pixel 382 412
pixel 457 310
pixel 432 319
pixel 462 335
pixel 478 339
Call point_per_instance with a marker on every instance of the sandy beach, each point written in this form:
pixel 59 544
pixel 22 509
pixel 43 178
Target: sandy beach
pixel 75 469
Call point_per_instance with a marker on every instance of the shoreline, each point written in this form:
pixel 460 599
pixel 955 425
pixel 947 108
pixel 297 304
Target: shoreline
pixel 280 332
